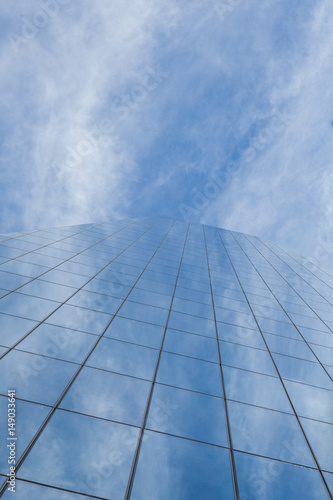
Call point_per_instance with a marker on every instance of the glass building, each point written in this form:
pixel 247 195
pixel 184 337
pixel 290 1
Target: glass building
pixel 154 360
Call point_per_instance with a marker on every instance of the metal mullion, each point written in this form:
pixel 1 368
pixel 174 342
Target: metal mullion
pixel 61 397
pixel 226 411
pixel 145 416
pixel 278 372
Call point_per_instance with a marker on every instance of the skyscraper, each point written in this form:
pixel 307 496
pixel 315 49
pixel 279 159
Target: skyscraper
pixel 153 359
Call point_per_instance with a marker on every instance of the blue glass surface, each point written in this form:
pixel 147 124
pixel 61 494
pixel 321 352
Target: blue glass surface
pixel 239 335
pixel 136 332
pixel 192 324
pixel 150 298
pixel 155 286
pixel 189 373
pixel 235 318
pixel 142 312
pixel 190 307
pixel 172 468
pixel 188 414
pixel 88 455
pixel 247 358
pixel 63 278
pixel 195 295
pixel 108 395
pixel 303 371
pixel 27 491
pixel 262 479
pixel 121 357
pixel 59 342
pixel 96 301
pixel 320 436
pixel 255 389
pixel 27 307
pixel 289 347
pixel 115 289
pixel 47 290
pixel 35 378
pixel 12 329
pixel 9 281
pixel 23 268
pixel 190 344
pixel 268 433
pixel 312 402
pixel 78 318
pixel 324 354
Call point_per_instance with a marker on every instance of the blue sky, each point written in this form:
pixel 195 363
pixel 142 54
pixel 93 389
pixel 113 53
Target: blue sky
pixel 216 111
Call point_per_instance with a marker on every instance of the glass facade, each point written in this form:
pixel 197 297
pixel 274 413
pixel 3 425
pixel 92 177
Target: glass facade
pixel 153 359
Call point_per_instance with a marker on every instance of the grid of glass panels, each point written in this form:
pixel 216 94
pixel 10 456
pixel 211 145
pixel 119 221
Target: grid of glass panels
pixel 153 359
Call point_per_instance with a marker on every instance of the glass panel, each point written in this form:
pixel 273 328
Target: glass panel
pixel 23 268
pixel 28 418
pixel 190 344
pixel 189 373
pixel 302 371
pixel 247 358
pixel 125 358
pixel 47 290
pixel 172 468
pixel 89 455
pixel 108 395
pixel 239 335
pixel 279 328
pixel 141 312
pixel 136 332
pixel 320 436
pixel 10 281
pixel 289 347
pixel 58 342
pixel 34 377
pixel 188 414
pixel 256 389
pixel 63 278
pixel 325 354
pixel 311 402
pixel 189 307
pixel 150 298
pixel 115 289
pixel 26 306
pixel 24 491
pixel 80 319
pixel 268 433
pixel 196 296
pixel 13 329
pixel 192 324
pixel 96 301
pixel 235 318
pixel 262 479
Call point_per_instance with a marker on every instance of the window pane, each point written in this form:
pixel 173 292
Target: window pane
pixel 172 468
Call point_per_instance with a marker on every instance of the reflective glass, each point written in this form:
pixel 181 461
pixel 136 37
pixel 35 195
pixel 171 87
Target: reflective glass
pixel 278 328
pixel 255 389
pixel 108 287
pixel 81 269
pixel 142 312
pixel 108 395
pixel 154 286
pixel 235 318
pixel 23 268
pixel 136 332
pixel 58 342
pixel 314 323
pixel 188 414
pixel 28 418
pixel 150 298
pixel 121 357
pixel 239 335
pixel 9 252
pixel 289 347
pixel 315 337
pixel 9 281
pixel 47 290
pixel 28 307
pixel 13 329
pixel 172 468
pixel 247 358
pixel 96 301
pixel 192 324
pixel 190 344
pixel 261 479
pixel 268 433
pixel 189 373
pixel 233 305
pixel 88 455
pixel 311 402
pixel 196 296
pixel 78 318
pixel 320 436
pixel 35 378
pixel 324 354
pixel 189 307
pixel 63 278
pixel 302 371
pixel 24 491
